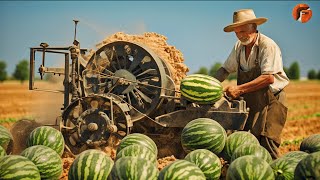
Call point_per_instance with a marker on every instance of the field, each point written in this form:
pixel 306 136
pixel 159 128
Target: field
pixel 303 101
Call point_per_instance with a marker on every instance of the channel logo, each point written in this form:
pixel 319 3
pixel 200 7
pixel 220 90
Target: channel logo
pixel 302 13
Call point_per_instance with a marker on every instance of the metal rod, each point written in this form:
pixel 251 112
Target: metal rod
pixel 31 73
pixel 66 81
pixel 75 29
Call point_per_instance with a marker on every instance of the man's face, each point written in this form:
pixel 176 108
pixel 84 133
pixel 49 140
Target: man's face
pixel 245 33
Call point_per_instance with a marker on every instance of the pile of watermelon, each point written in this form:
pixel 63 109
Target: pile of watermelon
pixel 41 160
pixel 204 139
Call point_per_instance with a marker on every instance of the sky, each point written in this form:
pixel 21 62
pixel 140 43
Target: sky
pixel 193 27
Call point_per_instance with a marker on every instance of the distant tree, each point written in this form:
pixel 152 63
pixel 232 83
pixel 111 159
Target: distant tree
pixel 202 70
pixel 294 71
pixel 318 75
pixel 214 68
pixel 232 76
pixel 22 71
pixel 312 74
pixel 286 70
pixel 3 72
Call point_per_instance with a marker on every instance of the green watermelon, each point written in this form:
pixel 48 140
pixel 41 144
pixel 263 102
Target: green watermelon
pixel 6 139
pixel 283 168
pixel 203 133
pixel 208 162
pixel 137 138
pixel 201 89
pixel 2 152
pixel 311 144
pixel 134 168
pixel 90 164
pixel 47 136
pixel 296 154
pixel 15 167
pixel 309 167
pixel 137 150
pixel 251 149
pixel 235 140
pixel 47 161
pixel 181 170
pixel 249 167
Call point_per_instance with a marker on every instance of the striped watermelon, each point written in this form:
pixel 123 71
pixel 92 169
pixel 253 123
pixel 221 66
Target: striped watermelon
pixel 201 89
pixel 252 149
pixel 90 164
pixel 47 136
pixel 311 144
pixel 283 168
pixel 137 138
pixel 47 161
pixel 6 139
pixel 181 170
pixel 137 150
pixel 296 154
pixel 309 167
pixel 208 162
pixel 249 167
pixel 134 168
pixel 203 133
pixel 2 152
pixel 15 167
pixel 236 139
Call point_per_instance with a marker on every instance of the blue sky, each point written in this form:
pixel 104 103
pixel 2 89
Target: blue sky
pixel 195 28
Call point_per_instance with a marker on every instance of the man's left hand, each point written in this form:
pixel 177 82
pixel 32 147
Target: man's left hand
pixel 233 91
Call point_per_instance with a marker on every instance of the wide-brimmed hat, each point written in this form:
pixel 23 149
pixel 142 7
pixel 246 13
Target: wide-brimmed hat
pixel 244 16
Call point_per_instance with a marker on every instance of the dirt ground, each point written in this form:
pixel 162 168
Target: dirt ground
pixel 17 102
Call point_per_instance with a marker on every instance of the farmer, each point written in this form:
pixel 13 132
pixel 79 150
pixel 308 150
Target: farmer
pixel 260 79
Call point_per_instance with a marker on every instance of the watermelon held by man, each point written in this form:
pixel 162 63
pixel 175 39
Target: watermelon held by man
pixel 201 89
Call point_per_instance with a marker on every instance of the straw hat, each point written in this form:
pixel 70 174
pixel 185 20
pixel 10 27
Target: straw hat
pixel 244 16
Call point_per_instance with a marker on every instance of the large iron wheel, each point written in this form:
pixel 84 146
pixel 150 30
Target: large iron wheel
pixel 129 70
pixel 95 122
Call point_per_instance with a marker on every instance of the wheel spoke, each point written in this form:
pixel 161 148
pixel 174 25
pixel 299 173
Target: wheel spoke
pixel 143 96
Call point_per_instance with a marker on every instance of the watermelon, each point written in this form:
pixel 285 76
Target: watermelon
pixel 47 136
pixel 201 89
pixel 311 144
pixel 6 139
pixel 283 168
pixel 208 162
pixel 235 140
pixel 249 167
pixel 296 154
pixel 47 161
pixel 16 167
pixel 2 152
pixel 137 150
pixel 203 133
pixel 134 168
pixel 90 164
pixel 309 167
pixel 181 170
pixel 137 138
pixel 251 149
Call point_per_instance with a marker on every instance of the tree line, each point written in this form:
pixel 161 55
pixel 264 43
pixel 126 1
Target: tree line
pixel 293 71
pixel 20 73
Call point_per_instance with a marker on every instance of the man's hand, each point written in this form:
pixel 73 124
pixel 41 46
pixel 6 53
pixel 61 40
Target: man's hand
pixel 233 91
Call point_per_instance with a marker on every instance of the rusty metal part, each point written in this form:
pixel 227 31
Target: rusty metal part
pixel 90 121
pixel 132 71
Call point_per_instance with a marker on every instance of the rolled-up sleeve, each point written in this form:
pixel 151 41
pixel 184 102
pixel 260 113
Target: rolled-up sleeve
pixel 231 64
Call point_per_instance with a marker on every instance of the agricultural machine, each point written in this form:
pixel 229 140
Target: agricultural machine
pixel 125 88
